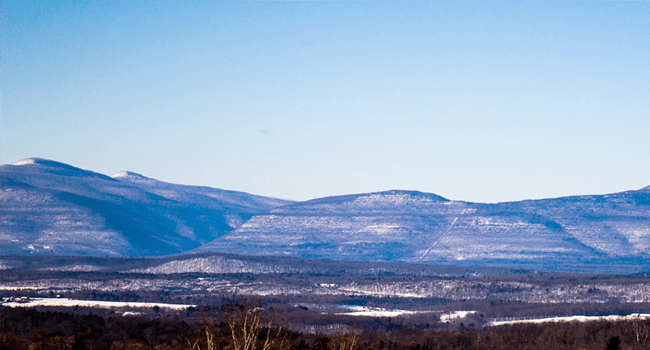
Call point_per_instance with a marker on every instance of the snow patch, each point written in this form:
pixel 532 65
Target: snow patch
pixel 127 175
pixel 73 268
pixel 212 265
pixel 4 265
pixel 28 161
pixel 381 229
pixel 66 302
pixel 456 315
pixel 375 311
pixel 636 316
pixel 131 313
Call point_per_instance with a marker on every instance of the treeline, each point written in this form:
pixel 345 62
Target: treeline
pixel 246 326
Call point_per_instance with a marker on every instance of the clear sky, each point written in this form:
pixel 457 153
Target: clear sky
pixel 472 100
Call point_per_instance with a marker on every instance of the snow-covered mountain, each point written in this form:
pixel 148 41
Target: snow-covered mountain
pixel 408 226
pixel 52 208
pixel 47 207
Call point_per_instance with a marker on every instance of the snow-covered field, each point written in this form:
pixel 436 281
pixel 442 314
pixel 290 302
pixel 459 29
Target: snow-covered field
pixel 375 311
pixel 66 302
pixel 456 315
pixel 575 319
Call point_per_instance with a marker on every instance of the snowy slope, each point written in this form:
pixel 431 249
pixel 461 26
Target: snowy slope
pixel 408 226
pixel 48 207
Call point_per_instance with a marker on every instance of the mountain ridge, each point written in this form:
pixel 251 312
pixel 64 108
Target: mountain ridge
pixel 405 228
pixel 58 168
pixel 47 207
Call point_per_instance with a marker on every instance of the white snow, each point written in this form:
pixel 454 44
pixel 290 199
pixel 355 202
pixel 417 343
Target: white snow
pixel 27 161
pixel 77 267
pixel 215 264
pixel 66 302
pixel 18 288
pixel 456 315
pixel 4 265
pixel 577 318
pixel 131 313
pixel 125 174
pixel 374 311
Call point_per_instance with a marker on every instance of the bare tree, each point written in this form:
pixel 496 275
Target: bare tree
pixel 253 328
pixel 344 340
pixel 192 345
pixel 641 331
pixel 208 327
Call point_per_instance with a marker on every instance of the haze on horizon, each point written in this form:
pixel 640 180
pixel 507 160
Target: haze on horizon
pixel 483 101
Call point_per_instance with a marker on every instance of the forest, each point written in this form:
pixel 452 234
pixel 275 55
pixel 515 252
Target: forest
pixel 251 325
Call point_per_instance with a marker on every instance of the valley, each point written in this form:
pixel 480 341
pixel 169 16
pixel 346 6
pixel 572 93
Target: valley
pixel 329 290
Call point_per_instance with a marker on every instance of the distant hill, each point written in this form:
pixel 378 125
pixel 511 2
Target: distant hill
pixel 51 208
pixel 415 227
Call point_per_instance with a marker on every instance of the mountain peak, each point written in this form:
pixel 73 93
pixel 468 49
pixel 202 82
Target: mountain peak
pixel 385 196
pixel 410 193
pixel 56 168
pixel 41 161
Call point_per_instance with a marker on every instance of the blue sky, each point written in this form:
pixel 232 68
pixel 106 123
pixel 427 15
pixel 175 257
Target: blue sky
pixel 476 100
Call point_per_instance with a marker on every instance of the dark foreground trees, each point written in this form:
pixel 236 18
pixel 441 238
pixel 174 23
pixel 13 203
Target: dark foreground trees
pixel 247 326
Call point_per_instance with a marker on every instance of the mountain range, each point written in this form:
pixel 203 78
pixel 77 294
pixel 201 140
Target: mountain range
pixel 52 208
pixel 415 227
pixel 47 207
